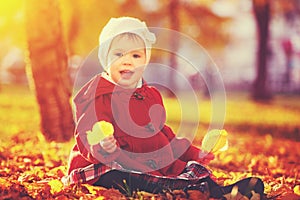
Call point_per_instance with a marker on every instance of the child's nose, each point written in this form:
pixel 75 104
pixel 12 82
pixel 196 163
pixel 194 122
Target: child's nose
pixel 126 59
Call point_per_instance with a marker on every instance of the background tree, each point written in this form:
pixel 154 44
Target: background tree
pixel 175 26
pixel 289 12
pixel 262 17
pixel 48 58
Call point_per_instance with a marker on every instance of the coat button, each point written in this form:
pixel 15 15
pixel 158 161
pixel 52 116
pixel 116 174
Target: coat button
pixel 152 164
pixel 150 127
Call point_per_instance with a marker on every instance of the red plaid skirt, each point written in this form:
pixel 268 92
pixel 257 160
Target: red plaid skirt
pixel 192 173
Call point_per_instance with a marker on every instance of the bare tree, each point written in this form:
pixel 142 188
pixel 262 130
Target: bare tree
pixel 262 17
pixel 175 26
pixel 48 58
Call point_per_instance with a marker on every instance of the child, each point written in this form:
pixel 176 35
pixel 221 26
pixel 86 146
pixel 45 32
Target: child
pixel 143 150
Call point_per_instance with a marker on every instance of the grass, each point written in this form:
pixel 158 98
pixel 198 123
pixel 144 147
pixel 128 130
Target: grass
pixel 19 111
pixel 279 117
pixel 20 123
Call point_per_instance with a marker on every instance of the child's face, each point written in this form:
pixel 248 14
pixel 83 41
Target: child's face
pixel 128 58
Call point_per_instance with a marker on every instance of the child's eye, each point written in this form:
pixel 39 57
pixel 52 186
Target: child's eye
pixel 119 54
pixel 136 56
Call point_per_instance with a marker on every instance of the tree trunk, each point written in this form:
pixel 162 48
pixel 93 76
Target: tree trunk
pixel 262 16
pixel 49 69
pixel 175 26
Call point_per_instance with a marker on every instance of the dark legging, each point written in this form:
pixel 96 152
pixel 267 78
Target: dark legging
pixel 115 179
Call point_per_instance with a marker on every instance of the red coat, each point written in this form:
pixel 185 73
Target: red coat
pixel 145 142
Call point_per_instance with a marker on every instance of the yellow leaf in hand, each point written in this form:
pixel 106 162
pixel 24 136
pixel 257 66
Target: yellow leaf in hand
pixel 214 141
pixel 106 128
pixel 100 130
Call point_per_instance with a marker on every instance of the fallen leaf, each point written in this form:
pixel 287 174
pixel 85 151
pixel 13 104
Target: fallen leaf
pixel 56 186
pixel 297 189
pixel 196 195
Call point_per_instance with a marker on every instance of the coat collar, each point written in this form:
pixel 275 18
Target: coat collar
pixel 99 86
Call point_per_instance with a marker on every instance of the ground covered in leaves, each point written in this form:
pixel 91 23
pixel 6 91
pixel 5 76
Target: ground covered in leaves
pixel 263 141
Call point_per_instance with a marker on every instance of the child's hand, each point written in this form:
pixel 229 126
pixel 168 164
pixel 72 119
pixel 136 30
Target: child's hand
pixel 100 130
pixel 215 141
pixel 109 144
pixel 205 158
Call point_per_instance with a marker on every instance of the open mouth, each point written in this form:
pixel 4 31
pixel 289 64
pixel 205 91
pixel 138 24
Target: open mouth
pixel 126 74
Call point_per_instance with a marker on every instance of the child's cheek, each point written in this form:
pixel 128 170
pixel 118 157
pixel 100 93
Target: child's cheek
pixel 115 77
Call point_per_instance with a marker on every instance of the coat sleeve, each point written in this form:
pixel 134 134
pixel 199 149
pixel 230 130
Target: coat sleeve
pixel 95 111
pixel 95 153
pixel 182 147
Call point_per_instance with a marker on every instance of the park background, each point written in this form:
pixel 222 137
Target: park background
pixel 255 45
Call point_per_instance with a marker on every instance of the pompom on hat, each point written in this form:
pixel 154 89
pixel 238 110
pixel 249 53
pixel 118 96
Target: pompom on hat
pixel 117 26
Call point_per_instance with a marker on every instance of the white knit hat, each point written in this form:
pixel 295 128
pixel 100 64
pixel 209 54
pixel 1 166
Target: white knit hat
pixel 117 26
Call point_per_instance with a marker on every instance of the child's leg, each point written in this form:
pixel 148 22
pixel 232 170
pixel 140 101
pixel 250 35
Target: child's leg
pixel 115 179
pixel 244 186
pixel 143 182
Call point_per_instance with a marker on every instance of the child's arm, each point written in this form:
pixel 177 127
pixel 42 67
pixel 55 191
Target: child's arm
pixel 179 144
pixel 94 153
pixel 98 153
pixel 190 152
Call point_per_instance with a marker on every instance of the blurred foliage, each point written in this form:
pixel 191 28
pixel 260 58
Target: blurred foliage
pixel 84 20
